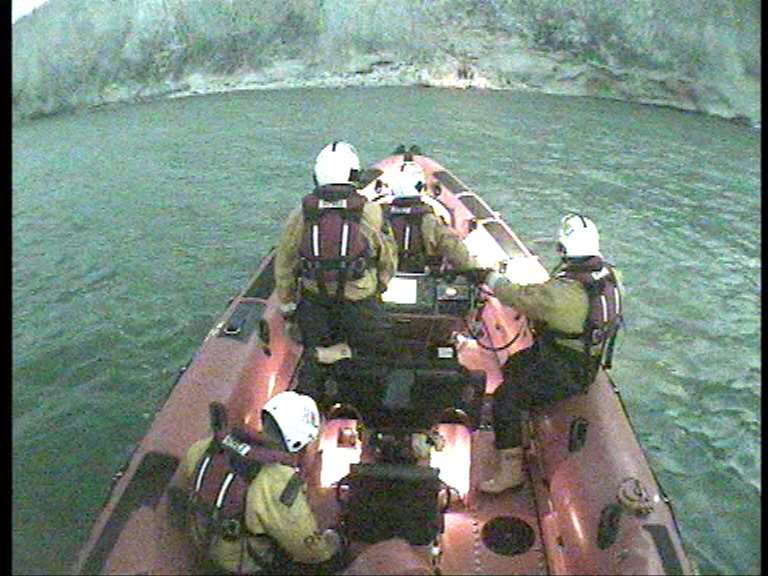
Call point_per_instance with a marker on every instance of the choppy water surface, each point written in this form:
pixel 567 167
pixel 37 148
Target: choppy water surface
pixel 132 227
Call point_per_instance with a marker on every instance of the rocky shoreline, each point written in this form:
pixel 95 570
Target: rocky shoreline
pixel 535 73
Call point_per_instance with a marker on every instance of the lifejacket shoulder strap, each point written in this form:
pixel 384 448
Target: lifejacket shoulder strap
pixel 406 217
pixel 242 459
pixel 333 214
pixel 618 323
pixel 593 275
pixel 595 285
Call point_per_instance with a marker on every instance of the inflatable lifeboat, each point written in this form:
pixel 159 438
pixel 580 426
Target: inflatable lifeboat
pixel 592 504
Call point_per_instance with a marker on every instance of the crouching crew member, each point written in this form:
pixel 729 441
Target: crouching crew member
pixel 576 315
pixel 249 511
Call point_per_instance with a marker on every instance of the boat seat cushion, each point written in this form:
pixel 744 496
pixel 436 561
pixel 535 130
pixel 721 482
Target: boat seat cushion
pixel 392 500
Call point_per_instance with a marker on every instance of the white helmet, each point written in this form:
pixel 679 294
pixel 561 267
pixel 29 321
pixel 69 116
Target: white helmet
pixel 410 181
pixel 337 163
pixel 297 417
pixel 578 236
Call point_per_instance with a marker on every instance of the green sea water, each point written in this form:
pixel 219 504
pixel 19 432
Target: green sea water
pixel 132 227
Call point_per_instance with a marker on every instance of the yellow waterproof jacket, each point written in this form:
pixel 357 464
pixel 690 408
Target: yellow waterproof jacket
pixel 442 240
pixel 560 304
pixel 293 526
pixel 375 229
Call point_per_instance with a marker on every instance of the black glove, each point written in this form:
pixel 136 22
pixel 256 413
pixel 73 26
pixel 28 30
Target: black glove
pixel 476 275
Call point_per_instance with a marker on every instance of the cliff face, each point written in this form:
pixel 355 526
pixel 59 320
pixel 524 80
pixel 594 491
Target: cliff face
pixel 697 54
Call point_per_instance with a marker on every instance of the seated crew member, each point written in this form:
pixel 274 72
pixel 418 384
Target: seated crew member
pixel 575 316
pixel 422 238
pixel 249 511
pixel 334 260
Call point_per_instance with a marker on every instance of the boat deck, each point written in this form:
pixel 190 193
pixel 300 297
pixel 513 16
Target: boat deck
pixel 484 534
pixel 519 550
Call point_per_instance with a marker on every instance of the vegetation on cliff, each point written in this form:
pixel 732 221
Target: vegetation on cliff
pixel 696 54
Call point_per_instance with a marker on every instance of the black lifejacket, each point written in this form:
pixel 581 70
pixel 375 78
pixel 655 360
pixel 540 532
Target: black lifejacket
pixel 333 248
pixel 218 498
pixel 405 215
pixel 605 315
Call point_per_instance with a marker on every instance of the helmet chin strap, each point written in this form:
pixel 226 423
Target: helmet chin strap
pixel 559 266
pixel 566 260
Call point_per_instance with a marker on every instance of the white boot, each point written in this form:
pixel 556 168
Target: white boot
pixel 331 354
pixel 509 474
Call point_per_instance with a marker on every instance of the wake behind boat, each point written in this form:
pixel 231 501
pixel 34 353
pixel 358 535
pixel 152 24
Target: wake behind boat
pixel 591 504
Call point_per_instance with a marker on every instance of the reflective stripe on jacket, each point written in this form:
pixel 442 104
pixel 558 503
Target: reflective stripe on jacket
pixel 377 233
pixel 422 238
pixel 333 249
pixel 288 522
pixel 605 303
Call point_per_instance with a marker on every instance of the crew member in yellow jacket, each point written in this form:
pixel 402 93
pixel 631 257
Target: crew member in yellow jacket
pixel 423 239
pixel 249 511
pixel 575 317
pixel 335 258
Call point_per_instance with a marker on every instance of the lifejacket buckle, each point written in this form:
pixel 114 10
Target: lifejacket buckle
pixel 230 529
pixel 358 267
pixel 309 269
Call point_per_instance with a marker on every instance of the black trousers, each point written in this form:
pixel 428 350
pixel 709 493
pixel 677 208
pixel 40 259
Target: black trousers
pixel 363 324
pixel 540 375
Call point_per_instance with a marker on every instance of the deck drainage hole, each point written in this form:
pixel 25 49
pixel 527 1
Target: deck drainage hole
pixel 507 535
